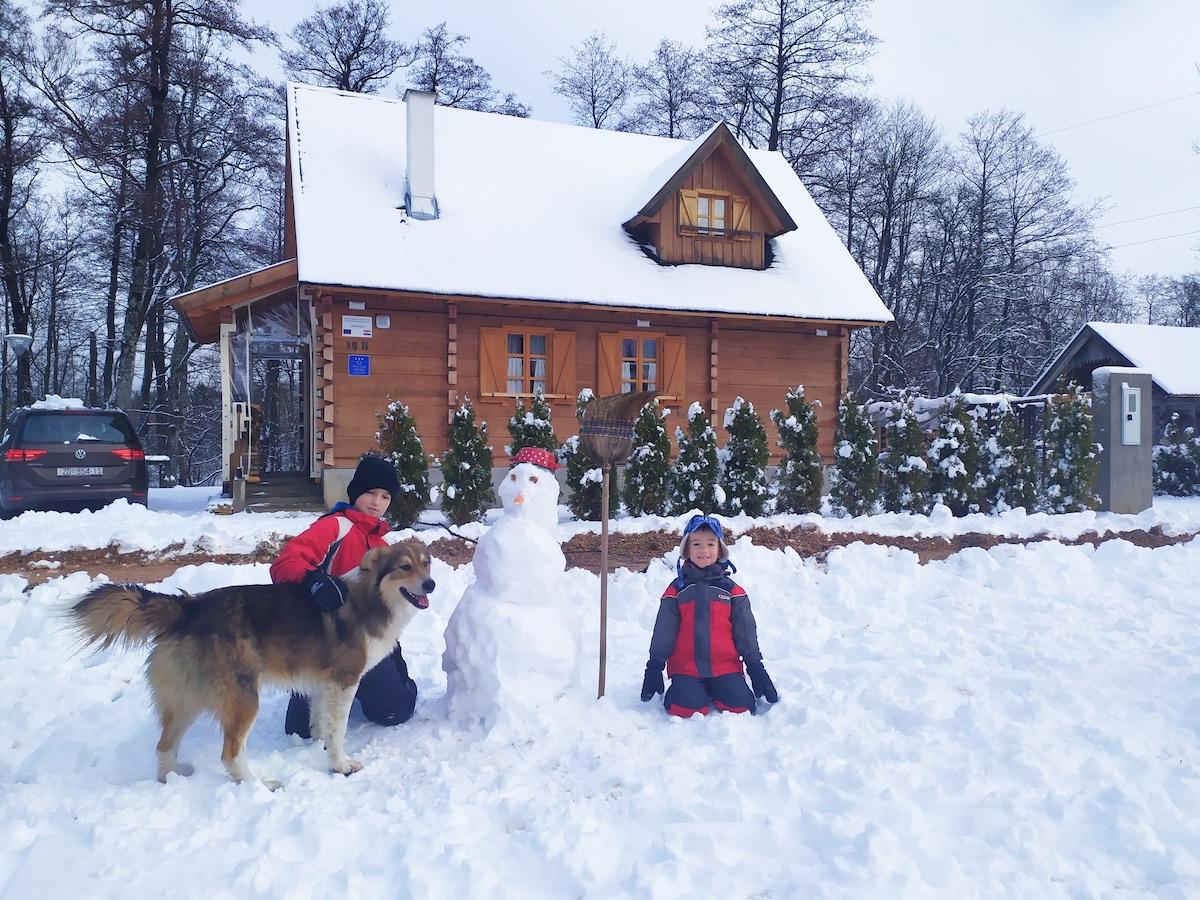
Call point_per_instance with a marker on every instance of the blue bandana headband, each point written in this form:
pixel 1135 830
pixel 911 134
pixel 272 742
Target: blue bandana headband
pixel 713 524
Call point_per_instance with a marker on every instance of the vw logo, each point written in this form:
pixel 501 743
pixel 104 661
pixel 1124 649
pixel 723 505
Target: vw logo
pixel 80 453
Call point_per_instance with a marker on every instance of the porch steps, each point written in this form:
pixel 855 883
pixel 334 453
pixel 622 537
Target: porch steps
pixel 285 492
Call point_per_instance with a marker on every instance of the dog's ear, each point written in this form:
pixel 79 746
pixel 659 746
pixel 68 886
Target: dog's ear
pixel 371 559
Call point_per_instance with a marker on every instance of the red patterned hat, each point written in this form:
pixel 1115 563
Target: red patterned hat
pixel 538 457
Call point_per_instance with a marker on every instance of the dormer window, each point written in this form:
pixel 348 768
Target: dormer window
pixel 710 214
pixel 714 214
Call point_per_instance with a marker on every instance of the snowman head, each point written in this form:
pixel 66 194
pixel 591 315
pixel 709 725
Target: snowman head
pixel 531 491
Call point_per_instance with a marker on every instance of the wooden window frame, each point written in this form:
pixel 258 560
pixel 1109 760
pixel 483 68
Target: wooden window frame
pixel 528 358
pixel 493 363
pixel 671 372
pixel 639 360
pixel 737 216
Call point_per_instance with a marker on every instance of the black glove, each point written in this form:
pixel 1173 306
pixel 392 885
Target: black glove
pixel 653 682
pixel 761 681
pixel 327 591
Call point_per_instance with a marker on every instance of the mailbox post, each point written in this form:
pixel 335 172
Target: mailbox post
pixel 1121 409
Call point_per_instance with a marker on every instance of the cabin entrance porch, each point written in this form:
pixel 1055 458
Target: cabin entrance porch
pixel 266 367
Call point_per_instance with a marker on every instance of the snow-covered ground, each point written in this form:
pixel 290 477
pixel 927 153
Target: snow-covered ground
pixel 1018 722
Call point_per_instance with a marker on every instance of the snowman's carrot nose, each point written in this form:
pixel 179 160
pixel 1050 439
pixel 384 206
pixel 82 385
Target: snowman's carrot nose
pixel 520 498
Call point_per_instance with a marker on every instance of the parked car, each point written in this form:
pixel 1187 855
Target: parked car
pixel 69 460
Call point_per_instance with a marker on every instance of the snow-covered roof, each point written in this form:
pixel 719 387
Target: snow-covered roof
pixel 533 210
pixel 1170 354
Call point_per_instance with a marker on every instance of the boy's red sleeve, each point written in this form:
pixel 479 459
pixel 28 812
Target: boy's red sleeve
pixel 305 551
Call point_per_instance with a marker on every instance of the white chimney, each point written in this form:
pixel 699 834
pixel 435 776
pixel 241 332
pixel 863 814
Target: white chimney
pixel 419 197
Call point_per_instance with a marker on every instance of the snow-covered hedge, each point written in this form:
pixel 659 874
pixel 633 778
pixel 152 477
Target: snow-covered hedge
pixel 1177 461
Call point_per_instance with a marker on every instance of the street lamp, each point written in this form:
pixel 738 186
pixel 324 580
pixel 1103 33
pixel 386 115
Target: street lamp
pixel 19 343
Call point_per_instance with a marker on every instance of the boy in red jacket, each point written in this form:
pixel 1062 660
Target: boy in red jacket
pixel 388 696
pixel 704 631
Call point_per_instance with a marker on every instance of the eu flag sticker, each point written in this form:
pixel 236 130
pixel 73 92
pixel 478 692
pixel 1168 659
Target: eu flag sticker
pixel 359 365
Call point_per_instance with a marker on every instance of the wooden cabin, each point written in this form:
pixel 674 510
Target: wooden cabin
pixel 437 253
pixel 1168 352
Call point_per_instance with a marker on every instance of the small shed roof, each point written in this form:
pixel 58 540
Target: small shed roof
pixel 1171 354
pixel 534 210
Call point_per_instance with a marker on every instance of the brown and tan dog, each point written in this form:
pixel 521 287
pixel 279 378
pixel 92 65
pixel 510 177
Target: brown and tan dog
pixel 213 651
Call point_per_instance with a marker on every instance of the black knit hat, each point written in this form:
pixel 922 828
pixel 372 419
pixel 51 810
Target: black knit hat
pixel 373 472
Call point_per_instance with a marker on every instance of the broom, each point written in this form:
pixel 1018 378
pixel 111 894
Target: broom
pixel 606 436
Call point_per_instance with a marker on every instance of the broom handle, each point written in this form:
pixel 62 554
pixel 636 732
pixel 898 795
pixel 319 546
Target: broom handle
pixel 603 576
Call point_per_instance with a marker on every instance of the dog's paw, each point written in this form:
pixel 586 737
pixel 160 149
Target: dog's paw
pixel 349 767
pixel 272 784
pixel 183 769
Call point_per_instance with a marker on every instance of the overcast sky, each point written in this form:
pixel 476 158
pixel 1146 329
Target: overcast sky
pixel 1078 69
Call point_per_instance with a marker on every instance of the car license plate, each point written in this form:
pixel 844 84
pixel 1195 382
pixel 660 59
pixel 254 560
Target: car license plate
pixel 80 470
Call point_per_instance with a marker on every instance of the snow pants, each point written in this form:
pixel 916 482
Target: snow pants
pixel 387 695
pixel 689 695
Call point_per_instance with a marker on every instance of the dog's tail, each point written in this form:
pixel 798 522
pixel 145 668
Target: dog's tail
pixel 126 614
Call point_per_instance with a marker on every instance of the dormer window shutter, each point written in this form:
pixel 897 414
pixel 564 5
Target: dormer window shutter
pixel 688 203
pixel 741 218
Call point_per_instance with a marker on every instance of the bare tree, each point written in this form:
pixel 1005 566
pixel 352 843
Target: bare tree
pixel 22 140
pixel 346 46
pixel 884 178
pixel 596 80
pixel 458 80
pixel 1170 301
pixel 671 94
pixel 115 112
pixel 781 69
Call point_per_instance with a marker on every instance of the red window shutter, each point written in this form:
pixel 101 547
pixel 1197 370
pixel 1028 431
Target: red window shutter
pixel 673 383
pixel 493 361
pixel 608 365
pixel 562 380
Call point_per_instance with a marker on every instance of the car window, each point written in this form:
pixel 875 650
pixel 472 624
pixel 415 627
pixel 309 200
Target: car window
pixel 68 429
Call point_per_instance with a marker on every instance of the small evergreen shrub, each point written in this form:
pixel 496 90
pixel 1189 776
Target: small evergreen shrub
pixel 648 468
pixel 1011 466
pixel 904 469
pixel 1177 461
pixel 467 494
pixel 956 476
pixel 585 477
pixel 697 469
pixel 854 480
pixel 397 438
pixel 797 485
pixel 531 427
pixel 745 459
pixel 1072 456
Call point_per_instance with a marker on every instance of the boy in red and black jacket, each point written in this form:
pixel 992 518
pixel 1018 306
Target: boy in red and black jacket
pixel 387 694
pixel 705 630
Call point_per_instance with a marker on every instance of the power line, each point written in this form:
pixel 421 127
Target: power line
pixel 1151 216
pixel 1166 237
pixel 1125 113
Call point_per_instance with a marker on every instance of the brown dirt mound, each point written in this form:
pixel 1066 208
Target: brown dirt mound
pixel 631 551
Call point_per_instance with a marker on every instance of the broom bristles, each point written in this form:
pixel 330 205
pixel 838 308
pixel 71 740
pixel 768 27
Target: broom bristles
pixel 606 429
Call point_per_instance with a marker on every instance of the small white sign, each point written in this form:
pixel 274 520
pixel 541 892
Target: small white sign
pixel 356 326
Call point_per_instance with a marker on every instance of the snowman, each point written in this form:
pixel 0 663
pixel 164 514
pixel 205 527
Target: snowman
pixel 513 641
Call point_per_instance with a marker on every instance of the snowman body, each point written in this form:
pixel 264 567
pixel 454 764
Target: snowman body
pixel 513 641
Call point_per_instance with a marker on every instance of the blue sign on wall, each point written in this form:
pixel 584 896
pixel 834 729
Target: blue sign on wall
pixel 360 365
